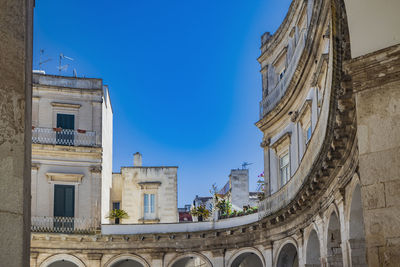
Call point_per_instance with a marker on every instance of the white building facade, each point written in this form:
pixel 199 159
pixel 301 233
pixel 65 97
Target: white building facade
pixel 71 153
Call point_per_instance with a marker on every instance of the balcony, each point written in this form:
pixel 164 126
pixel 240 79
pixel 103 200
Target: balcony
pixel 64 137
pixel 63 225
pixel 275 95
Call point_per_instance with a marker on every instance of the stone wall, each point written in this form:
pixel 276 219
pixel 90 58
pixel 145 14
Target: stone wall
pixel 376 82
pixel 15 124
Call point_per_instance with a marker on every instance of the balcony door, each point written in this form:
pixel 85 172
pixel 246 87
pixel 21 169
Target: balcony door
pixel 67 123
pixel 64 207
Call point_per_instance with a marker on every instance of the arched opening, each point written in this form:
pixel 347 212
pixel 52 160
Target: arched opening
pixel 356 230
pixel 313 251
pixel 247 259
pixel 190 261
pixel 288 256
pixel 127 263
pixel 334 242
pixel 63 263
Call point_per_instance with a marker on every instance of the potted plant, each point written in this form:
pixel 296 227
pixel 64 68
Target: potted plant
pixel 117 215
pixel 224 208
pixel 81 131
pixel 58 129
pixel 201 212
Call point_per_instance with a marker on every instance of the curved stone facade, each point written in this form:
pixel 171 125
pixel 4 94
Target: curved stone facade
pixel 319 209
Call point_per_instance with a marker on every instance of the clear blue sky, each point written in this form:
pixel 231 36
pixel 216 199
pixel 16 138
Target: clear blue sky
pixel 183 78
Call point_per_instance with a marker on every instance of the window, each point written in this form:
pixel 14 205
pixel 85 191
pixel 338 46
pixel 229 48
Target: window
pixel 284 168
pixel 64 206
pixel 116 205
pixel 308 133
pixel 67 124
pixel 149 206
pixel 282 74
pixel 306 124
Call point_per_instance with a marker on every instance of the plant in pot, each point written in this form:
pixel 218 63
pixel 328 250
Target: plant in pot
pixel 117 215
pixel 201 212
pixel 224 208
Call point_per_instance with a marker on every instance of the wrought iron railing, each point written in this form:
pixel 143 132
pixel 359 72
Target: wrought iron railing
pixel 65 225
pixel 273 97
pixel 64 137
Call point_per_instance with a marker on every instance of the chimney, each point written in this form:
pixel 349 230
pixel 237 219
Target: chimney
pixel 137 159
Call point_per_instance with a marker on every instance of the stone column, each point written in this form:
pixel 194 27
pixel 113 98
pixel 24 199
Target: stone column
pixel 94 259
pixel 218 257
pixel 340 196
pixel 267 179
pixel 375 81
pixel 267 253
pixel 33 258
pixel 15 130
pixel 96 196
pixel 157 259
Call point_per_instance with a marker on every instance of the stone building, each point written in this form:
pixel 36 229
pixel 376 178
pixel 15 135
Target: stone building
pixel 236 190
pixel 336 201
pixel 147 194
pixel 71 152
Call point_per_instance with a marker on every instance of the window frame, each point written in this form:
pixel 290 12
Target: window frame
pixel 283 180
pixel 282 148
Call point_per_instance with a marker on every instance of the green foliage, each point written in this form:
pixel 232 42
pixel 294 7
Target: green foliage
pixel 225 207
pixel 120 214
pixel 200 211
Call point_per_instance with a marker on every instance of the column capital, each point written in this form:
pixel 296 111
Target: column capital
pixel 94 256
pixel 265 143
pixel 218 252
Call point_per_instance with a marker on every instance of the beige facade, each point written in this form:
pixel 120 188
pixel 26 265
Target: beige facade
pixel 339 205
pixel 71 146
pixel 147 194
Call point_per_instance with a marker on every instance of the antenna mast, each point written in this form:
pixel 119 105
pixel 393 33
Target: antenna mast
pixel 41 61
pixel 60 66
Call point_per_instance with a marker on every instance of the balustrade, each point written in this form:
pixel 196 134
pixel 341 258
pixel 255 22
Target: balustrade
pixel 64 137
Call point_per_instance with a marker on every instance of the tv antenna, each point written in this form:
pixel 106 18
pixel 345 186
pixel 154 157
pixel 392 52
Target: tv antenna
pixel 245 164
pixel 60 66
pixel 41 60
pixel 75 73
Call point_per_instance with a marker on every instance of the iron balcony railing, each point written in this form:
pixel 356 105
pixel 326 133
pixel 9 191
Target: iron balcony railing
pixel 65 225
pixel 273 97
pixel 64 137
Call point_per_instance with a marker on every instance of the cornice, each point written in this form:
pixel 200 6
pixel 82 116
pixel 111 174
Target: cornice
pixel 279 34
pixel 303 68
pixel 65 105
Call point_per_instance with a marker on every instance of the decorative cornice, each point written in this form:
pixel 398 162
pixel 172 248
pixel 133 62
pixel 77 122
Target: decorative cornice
pixel 64 177
pixel 149 184
pixel 65 105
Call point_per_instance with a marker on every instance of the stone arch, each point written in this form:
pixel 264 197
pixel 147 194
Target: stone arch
pixel 313 250
pixel 62 258
pixel 250 256
pixel 356 241
pixel 126 257
pixel 180 260
pixel 287 255
pixel 334 239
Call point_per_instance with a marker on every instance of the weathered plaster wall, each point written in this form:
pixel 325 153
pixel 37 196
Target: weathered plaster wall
pixel 133 182
pixel 15 125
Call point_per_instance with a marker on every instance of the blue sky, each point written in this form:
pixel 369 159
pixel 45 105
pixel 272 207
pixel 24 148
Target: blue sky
pixel 183 78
